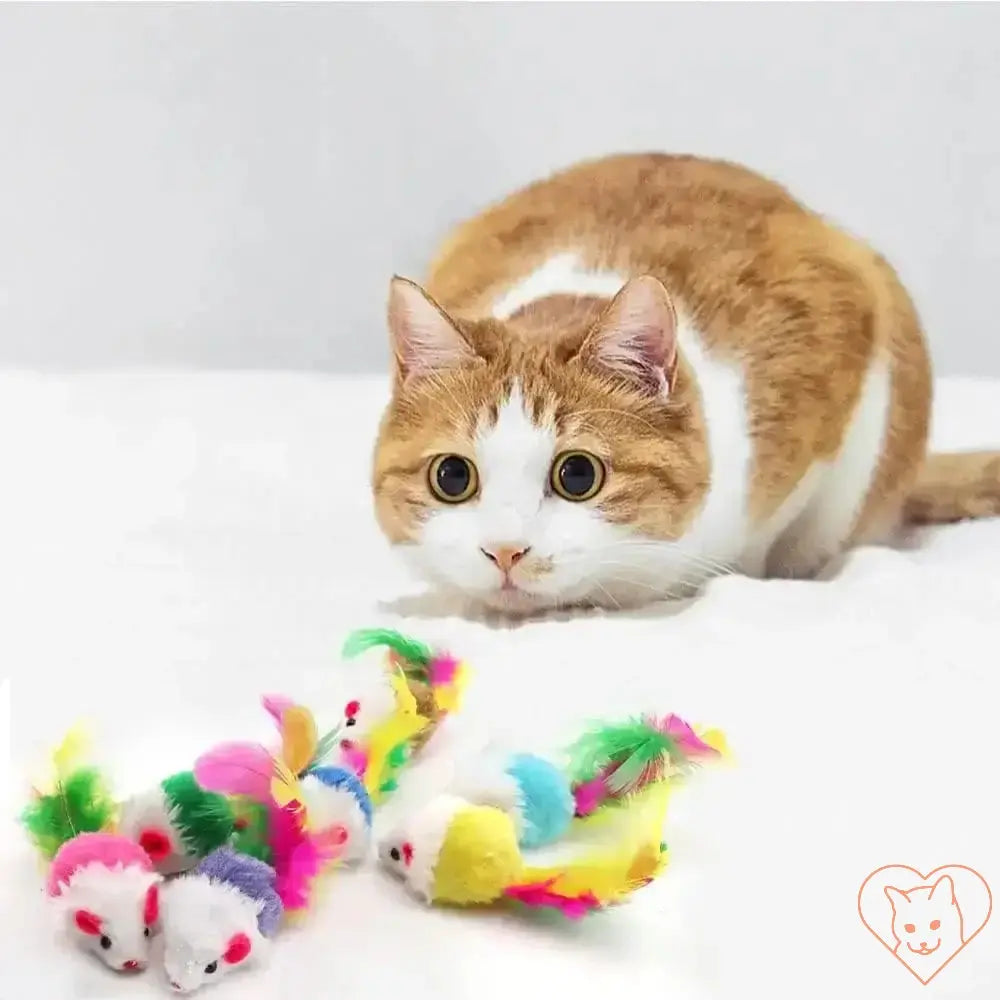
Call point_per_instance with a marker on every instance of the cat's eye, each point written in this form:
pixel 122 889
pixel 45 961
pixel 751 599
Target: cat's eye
pixel 935 924
pixel 909 928
pixel 211 967
pixel 453 479
pixel 577 475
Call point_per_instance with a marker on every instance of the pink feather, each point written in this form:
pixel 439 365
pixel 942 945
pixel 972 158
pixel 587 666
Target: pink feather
pixel 442 669
pixel 686 738
pixel 236 769
pixel 297 857
pixel 590 795
pixel 539 894
pixel 275 705
pixel 108 849
pixel 355 758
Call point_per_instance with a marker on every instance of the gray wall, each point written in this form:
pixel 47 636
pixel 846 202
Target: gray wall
pixel 232 185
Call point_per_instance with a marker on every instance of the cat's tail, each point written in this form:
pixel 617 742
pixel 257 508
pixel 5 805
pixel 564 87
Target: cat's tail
pixel 955 486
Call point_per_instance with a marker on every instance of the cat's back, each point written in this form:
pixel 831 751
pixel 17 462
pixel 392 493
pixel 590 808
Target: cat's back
pixel 655 213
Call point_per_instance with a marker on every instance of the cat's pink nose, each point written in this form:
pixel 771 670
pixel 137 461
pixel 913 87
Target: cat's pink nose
pixel 505 556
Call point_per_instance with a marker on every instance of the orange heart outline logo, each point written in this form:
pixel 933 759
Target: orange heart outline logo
pixel 925 920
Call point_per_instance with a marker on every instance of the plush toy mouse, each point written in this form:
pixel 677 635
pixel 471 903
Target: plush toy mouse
pixel 109 893
pixel 178 823
pixel 435 678
pixel 218 918
pixel 103 882
pixel 607 765
pixel 338 778
pixel 454 852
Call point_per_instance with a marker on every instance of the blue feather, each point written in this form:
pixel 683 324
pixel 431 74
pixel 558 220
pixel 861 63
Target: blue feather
pixel 547 804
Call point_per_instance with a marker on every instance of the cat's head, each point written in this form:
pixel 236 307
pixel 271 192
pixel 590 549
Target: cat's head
pixel 549 460
pixel 926 916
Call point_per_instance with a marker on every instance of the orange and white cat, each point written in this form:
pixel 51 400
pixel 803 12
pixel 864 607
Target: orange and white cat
pixel 646 370
pixel 927 925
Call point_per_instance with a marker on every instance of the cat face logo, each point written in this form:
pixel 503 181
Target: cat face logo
pixel 925 920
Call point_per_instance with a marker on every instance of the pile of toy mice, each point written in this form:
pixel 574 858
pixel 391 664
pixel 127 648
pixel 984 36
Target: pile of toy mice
pixel 213 860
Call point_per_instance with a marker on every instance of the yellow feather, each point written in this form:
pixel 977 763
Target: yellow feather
pixel 284 785
pixel 614 870
pixel 68 755
pixel 70 751
pixel 716 739
pixel 382 740
pixel 298 737
pixel 406 702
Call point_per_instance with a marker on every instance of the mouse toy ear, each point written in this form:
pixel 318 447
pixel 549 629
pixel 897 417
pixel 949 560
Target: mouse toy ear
pixel 89 923
pixel 151 906
pixel 155 842
pixel 237 949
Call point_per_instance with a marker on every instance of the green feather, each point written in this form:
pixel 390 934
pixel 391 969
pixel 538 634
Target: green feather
pixel 411 650
pixel 203 819
pixel 388 786
pixel 636 749
pixel 396 757
pixel 250 829
pixel 81 804
pixel 324 747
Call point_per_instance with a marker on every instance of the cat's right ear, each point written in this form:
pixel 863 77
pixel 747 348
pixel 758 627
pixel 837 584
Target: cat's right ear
pixel 896 896
pixel 424 338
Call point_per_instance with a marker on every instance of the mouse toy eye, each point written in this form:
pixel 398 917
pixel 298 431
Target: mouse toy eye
pixel 351 710
pixel 210 968
pixel 395 855
pixel 145 932
pixel 452 479
pixel 105 942
pixel 577 476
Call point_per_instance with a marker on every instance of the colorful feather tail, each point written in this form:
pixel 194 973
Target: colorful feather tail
pixel 607 874
pixel 539 895
pixel 77 800
pixel 432 675
pixel 614 762
pixel 297 856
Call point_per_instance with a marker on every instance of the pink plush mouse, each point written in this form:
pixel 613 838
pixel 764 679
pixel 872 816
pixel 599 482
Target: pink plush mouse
pixel 103 882
pixel 110 895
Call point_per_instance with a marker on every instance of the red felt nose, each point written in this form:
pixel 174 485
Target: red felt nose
pixel 131 965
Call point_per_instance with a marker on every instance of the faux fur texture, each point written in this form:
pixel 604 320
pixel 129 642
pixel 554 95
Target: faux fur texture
pixel 251 877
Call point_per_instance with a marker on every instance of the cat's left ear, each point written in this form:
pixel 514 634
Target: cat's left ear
pixel 636 338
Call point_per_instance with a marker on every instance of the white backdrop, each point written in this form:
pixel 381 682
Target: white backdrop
pixel 232 185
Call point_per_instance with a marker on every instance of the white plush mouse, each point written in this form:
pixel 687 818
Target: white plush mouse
pixel 109 894
pixel 218 918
